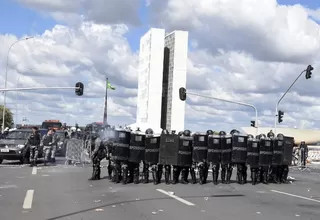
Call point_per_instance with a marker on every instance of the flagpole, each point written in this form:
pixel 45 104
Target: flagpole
pixel 105 114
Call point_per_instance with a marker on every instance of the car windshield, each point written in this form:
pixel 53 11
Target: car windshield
pixel 47 125
pixel 61 135
pixel 19 135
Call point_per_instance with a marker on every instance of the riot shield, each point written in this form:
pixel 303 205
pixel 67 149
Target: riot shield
pixel 265 154
pixel 288 143
pixel 185 151
pixel 152 149
pixel 137 147
pixel 253 152
pixel 214 149
pixel 169 147
pixel 277 154
pixel 239 148
pixel 226 149
pixel 200 147
pixel 121 145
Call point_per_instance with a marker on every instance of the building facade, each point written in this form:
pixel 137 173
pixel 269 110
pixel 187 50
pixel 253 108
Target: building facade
pixel 150 77
pixel 174 77
pixel 162 71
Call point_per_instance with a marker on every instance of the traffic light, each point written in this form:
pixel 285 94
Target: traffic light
pixel 182 94
pixel 253 124
pixel 308 72
pixel 280 116
pixel 79 88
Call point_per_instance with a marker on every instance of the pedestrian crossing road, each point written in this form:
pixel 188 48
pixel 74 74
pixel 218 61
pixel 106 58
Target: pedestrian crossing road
pixel 63 192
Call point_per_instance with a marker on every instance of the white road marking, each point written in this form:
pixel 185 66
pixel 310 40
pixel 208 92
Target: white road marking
pixel 293 195
pixel 27 204
pixel 176 197
pixel 34 171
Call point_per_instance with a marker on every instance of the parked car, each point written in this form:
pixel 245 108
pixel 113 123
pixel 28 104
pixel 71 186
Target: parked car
pixel 13 146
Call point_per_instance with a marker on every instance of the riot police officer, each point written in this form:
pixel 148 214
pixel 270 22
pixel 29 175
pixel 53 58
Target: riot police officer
pixel 239 155
pixel 303 153
pixel 185 157
pixel 136 155
pixel 253 158
pixel 152 157
pixel 97 155
pixel 225 160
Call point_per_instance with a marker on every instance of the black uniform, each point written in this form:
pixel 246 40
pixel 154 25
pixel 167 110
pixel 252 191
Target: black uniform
pixel 98 154
pixel 136 155
pixel 185 157
pixel 121 154
pixel 277 158
pixel 253 157
pixel 226 156
pixel 34 142
pixel 214 156
pixel 152 144
pixel 239 155
pixel 265 158
pixel 199 156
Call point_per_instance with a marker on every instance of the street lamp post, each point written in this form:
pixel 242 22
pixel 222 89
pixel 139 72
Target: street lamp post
pixel 308 70
pixel 6 81
pixel 233 102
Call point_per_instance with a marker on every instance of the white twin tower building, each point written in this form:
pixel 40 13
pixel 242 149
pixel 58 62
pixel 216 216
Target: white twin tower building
pixel 162 71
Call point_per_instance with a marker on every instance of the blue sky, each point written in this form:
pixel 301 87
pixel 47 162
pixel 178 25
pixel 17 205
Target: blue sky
pixel 19 20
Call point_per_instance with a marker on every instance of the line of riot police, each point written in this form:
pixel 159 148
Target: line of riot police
pixel 185 153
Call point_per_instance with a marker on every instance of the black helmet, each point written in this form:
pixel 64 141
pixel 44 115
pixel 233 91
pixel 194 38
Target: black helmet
pixel 180 133
pixel 234 131
pixel 262 136
pixel 250 136
pixel 209 132
pixel 138 129
pixel 149 131
pixel 280 136
pixel 165 131
pixel 187 133
pixel 222 133
pixel 270 134
pixel 173 132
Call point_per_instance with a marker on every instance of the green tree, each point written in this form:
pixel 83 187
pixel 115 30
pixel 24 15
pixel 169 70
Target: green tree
pixel 8 118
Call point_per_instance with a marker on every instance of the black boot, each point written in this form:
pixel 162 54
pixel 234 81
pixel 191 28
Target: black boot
pixel 265 177
pixel 244 175
pixel 229 174
pixel 125 176
pixel 117 174
pixel 184 176
pixel 253 177
pixel 146 177
pixel 201 175
pixel 239 177
pixel 285 172
pixel 110 172
pixel 155 176
pixel 136 175
pixel 205 174
pixel 167 174
pixel 31 164
pixel 215 174
pixel 193 176
pixel 223 175
pixel 175 178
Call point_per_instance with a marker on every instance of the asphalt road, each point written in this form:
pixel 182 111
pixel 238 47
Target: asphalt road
pixel 63 192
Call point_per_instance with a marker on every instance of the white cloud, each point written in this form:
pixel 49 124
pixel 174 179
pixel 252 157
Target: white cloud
pixel 243 50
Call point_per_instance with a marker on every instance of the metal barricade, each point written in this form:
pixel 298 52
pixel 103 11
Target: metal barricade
pixel 76 152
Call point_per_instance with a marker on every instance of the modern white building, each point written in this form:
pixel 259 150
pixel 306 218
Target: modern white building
pixel 176 47
pixel 150 78
pixel 162 71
